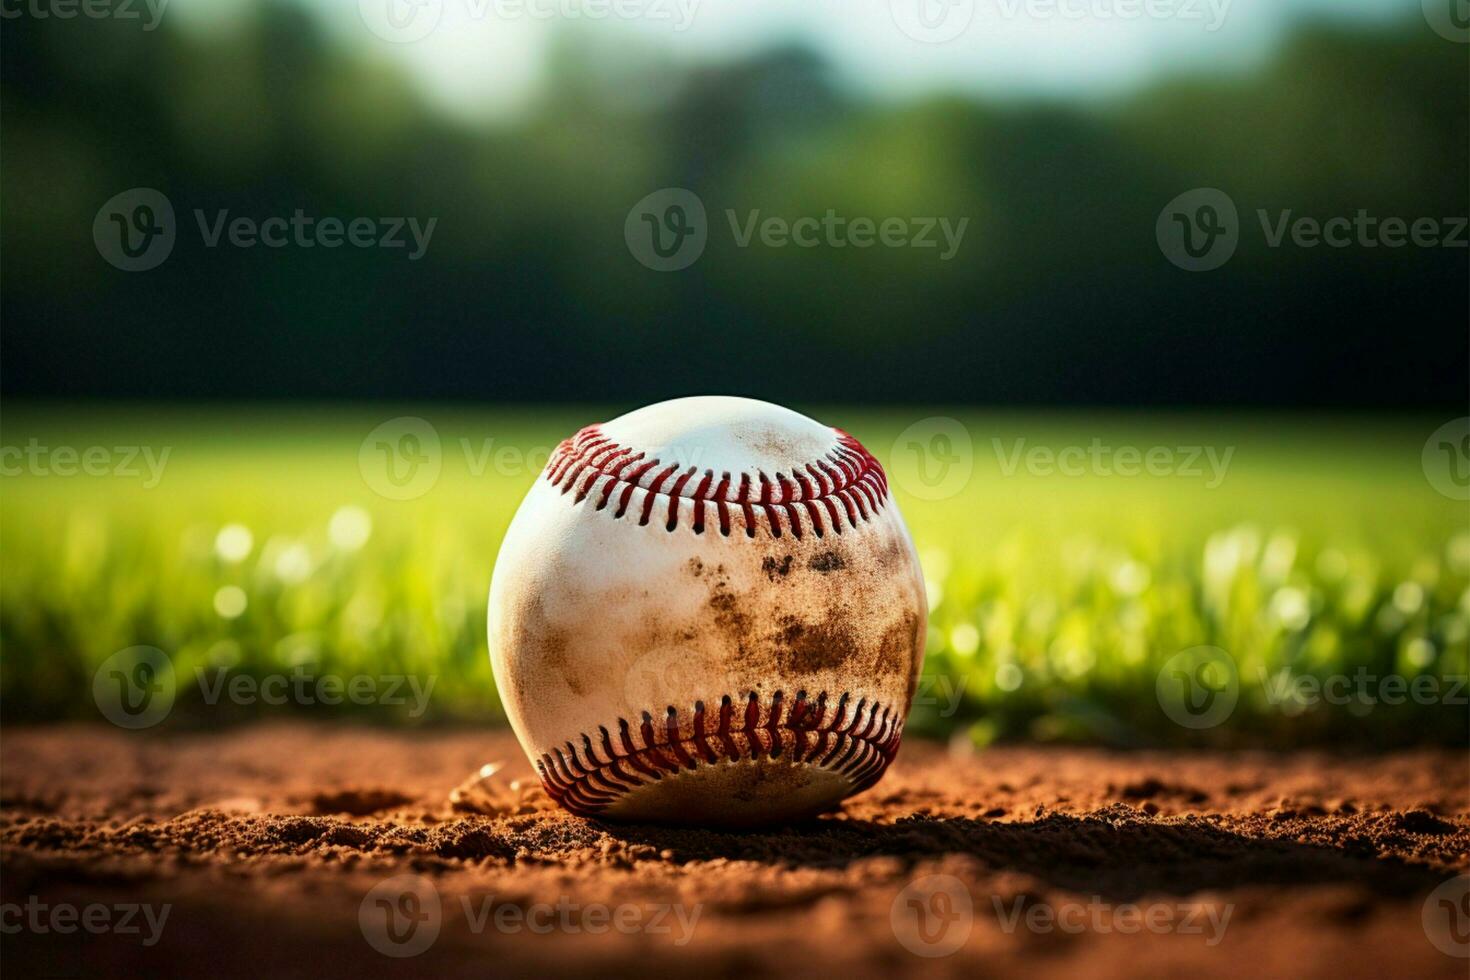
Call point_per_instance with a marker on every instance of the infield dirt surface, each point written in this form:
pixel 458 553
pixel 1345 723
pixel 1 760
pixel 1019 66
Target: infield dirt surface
pixel 264 842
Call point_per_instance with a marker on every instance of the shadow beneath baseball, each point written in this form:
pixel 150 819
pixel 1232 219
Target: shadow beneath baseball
pixel 1117 852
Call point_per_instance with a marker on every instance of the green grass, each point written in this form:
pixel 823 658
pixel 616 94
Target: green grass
pixel 1056 600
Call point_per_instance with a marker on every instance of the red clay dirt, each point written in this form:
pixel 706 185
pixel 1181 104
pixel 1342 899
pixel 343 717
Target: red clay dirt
pixel 264 843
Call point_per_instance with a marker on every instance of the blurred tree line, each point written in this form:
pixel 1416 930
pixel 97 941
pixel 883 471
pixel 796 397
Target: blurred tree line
pixel 1059 294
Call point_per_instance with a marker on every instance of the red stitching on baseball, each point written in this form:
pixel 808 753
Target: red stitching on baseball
pixel 589 780
pixel 848 476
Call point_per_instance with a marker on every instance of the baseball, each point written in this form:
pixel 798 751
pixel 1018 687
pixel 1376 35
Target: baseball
pixel 708 612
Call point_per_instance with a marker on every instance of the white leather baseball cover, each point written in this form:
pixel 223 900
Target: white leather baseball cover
pixel 708 611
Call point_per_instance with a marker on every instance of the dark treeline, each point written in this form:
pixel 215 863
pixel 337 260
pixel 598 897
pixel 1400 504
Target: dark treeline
pixel 1058 293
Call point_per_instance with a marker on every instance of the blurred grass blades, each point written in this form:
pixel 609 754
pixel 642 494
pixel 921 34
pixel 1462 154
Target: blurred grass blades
pixel 1055 599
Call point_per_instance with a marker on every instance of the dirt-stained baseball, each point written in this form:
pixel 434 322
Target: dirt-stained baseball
pixel 708 611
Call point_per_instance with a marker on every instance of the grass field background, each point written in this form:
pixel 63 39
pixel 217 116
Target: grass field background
pixel 1056 600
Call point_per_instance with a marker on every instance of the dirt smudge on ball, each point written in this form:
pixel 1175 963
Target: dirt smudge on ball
pixel 555 651
pixel 826 645
pixel 898 650
pixel 776 568
pixel 827 562
pixel 728 616
pixel 549 645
